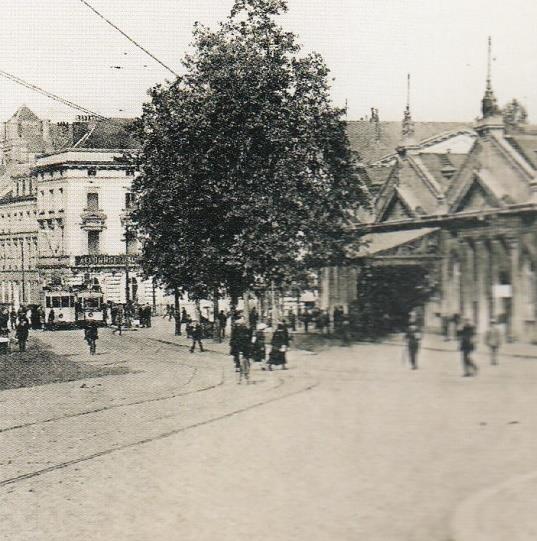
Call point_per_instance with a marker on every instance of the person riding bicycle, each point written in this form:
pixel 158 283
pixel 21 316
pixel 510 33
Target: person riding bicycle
pixel 91 334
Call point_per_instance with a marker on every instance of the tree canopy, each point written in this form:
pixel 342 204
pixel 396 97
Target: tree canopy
pixel 246 174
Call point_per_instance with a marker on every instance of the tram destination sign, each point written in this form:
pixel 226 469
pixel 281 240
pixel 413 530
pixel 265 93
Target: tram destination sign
pixel 103 260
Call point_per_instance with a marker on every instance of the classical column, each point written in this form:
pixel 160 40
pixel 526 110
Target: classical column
pixel 482 285
pixel 517 291
pixel 444 277
pixel 467 279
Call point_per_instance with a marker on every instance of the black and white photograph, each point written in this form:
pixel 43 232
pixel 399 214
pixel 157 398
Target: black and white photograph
pixel 268 270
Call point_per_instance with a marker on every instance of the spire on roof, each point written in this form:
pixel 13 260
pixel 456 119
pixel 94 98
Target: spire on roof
pixel 407 127
pixel 489 105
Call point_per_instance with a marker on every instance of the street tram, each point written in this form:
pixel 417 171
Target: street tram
pixel 74 308
pixel 64 305
pixel 90 304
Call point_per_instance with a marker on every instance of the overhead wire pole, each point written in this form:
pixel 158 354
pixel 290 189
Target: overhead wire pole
pixel 133 41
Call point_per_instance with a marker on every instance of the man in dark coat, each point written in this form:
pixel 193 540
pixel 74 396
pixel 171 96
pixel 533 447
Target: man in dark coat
pixel 22 332
pixel 239 342
pixel 222 320
pixel 413 338
pixel 466 337
pixel 196 333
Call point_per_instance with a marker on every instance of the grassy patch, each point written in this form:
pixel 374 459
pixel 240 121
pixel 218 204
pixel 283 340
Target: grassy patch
pixel 39 365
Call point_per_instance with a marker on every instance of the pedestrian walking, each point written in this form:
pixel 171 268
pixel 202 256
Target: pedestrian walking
pixel 493 339
pixel 306 319
pixel 105 314
pixel 4 320
pixel 467 345
pixel 13 319
pixel 455 321
pixel 51 320
pixel 346 329
pixel 196 334
pixel 258 344
pixel 291 317
pixel 222 321
pixel 413 339
pixel 239 342
pixel 279 343
pixel 22 331
pixel 148 313
pixel 91 334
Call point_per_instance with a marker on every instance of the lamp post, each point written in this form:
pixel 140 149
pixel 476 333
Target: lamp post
pixel 22 274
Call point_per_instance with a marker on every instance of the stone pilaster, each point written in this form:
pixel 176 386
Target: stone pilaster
pixel 482 286
pixel 517 291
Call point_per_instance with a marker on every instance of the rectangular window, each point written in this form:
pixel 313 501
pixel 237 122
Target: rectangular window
pixel 93 201
pixel 93 242
pixel 92 171
pixel 129 200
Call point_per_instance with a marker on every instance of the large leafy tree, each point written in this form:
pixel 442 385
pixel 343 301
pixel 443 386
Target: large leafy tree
pixel 246 175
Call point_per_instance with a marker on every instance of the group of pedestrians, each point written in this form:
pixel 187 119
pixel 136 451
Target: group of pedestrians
pixel 18 321
pixel 247 344
pixel 465 332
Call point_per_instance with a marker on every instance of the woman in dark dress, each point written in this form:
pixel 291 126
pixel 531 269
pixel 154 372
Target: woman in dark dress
pixel 279 343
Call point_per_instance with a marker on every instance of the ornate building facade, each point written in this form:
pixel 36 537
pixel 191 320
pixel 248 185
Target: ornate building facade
pixel 461 206
pixel 65 202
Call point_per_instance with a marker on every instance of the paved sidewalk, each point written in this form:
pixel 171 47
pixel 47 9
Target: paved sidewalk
pixel 438 343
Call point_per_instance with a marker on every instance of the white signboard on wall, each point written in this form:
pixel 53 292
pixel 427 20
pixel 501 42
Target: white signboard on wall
pixel 502 291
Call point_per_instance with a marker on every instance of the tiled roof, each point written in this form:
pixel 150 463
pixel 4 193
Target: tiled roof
pixel 436 163
pixel 111 133
pixel 371 140
pixel 526 145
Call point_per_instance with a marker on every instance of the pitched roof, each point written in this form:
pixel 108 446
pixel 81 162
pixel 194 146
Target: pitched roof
pixel 372 140
pixel 111 133
pixel 526 145
pixel 24 113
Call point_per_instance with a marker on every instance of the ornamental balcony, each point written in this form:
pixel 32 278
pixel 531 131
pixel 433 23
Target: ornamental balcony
pixel 93 220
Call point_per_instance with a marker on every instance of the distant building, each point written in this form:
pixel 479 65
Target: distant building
pixel 65 199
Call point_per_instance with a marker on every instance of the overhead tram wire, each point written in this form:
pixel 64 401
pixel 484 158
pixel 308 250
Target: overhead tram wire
pixel 50 95
pixel 133 41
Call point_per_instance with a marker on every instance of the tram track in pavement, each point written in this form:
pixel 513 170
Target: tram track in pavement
pixel 163 435
pixel 278 384
pixel 140 402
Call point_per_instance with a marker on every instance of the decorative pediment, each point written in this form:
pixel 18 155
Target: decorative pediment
pixel 476 197
pixel 395 209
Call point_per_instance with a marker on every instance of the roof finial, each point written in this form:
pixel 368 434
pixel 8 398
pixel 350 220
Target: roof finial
pixel 489 106
pixel 489 63
pixel 408 124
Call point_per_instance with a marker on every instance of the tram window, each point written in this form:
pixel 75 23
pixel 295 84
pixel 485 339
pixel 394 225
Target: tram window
pixel 65 302
pixel 56 302
pixel 92 302
pixel 47 300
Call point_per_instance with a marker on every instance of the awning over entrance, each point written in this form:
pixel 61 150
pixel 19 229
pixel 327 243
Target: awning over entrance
pixel 397 245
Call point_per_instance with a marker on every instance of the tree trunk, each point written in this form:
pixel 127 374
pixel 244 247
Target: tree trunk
pixel 177 315
pixel 246 307
pixel 216 320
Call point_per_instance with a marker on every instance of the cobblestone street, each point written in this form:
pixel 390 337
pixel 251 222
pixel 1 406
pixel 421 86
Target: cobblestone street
pixel 347 444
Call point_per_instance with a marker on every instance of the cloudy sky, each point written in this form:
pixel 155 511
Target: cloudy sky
pixel 370 46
